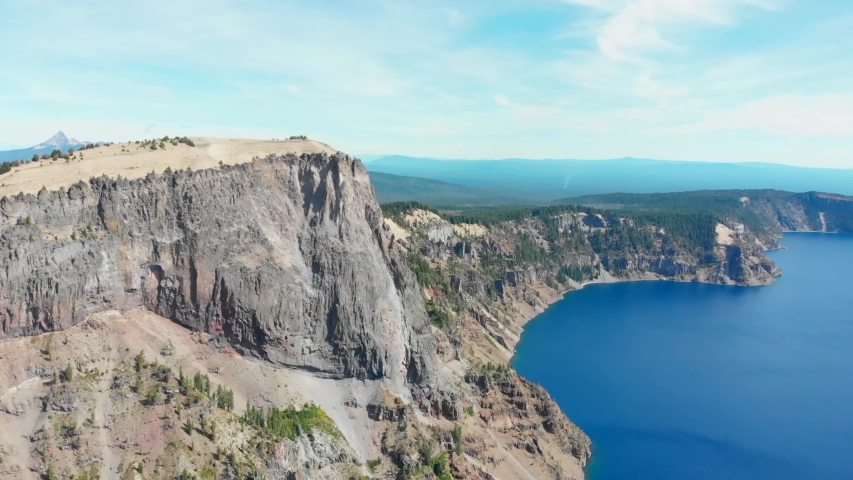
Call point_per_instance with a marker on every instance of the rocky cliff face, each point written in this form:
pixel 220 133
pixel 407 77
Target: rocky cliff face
pixel 284 257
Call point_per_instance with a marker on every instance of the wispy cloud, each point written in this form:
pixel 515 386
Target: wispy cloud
pixel 630 27
pixel 502 100
pixel 785 115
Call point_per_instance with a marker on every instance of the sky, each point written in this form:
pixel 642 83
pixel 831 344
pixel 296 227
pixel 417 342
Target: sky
pixel 709 80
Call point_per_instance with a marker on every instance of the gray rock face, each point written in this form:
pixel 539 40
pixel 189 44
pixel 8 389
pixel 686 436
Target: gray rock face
pixel 285 257
pixel 787 215
pixel 727 264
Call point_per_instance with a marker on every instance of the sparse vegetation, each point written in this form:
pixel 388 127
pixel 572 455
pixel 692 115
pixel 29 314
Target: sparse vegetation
pixel 288 423
pixel 426 275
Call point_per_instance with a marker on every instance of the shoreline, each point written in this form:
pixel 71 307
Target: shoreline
pixel 561 295
pixel 613 280
pixel 592 461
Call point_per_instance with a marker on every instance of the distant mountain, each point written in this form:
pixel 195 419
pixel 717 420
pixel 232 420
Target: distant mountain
pixel 395 188
pixel 58 141
pixel 551 179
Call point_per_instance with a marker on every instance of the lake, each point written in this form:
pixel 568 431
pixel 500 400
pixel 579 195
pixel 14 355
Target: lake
pixel 690 381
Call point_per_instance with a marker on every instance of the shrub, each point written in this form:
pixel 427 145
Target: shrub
pixel 140 361
pixel 153 396
pixel 438 316
pixel 68 374
pixel 457 437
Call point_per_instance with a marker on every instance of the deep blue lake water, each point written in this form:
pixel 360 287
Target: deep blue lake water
pixel 687 381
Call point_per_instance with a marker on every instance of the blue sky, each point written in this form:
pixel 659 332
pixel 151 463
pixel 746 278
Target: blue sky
pixel 717 80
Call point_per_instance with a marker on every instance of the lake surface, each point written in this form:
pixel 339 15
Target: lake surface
pixel 687 381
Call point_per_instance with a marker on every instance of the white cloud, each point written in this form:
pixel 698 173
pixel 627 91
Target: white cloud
pixel 632 27
pixel 502 100
pixel 785 115
pixel 646 87
pixel 454 17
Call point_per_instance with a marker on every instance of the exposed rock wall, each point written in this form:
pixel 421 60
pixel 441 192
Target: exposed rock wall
pixel 285 257
pixel 783 215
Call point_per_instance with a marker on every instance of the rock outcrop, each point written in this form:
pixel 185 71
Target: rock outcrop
pixel 285 257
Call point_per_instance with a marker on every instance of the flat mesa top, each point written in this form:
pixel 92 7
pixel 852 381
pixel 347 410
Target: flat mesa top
pixel 132 160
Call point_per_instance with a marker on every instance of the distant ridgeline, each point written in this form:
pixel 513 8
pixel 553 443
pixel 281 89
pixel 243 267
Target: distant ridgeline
pixel 763 211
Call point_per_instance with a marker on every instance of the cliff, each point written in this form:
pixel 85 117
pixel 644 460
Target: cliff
pixel 284 257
